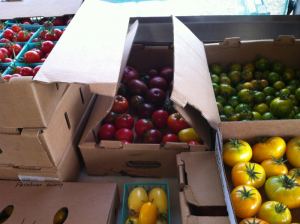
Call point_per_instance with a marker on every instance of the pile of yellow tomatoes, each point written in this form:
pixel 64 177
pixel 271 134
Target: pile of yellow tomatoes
pixel 147 209
pixel 282 186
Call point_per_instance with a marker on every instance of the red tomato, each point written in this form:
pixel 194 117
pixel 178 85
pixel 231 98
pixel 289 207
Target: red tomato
pixel 176 123
pixel 23 36
pixel 1 57
pixel 27 21
pixel 15 49
pixel 124 121
pixel 58 22
pixel 6 77
pixel 125 142
pixel 15 75
pixel 8 34
pixel 39 52
pixel 47 24
pixel 194 143
pixel 153 136
pixel 142 126
pixel 36 69
pixel 42 34
pixel 47 46
pixel 170 138
pixel 16 28
pixel 35 40
pixel 32 57
pixel 107 132
pixel 160 118
pixel 120 104
pixel 5 52
pixel 58 33
pixel 124 134
pixel 51 36
pixel 26 71
pixel 42 60
pixel 7 60
pixel 110 118
pixel 4 40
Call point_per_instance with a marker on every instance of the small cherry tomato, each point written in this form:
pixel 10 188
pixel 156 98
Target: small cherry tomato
pixel 32 57
pixel 26 71
pixel 160 118
pixel 36 69
pixel 194 143
pixel 120 104
pixel 8 34
pixel 61 216
pixel 170 138
pixel 107 132
pixel 124 134
pixel 159 197
pixel 6 77
pixel 124 121
pixel 47 46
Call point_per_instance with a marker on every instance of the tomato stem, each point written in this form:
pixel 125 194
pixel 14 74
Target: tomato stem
pixel 289 182
pixel 280 208
pixel 246 194
pixel 236 143
pixel 252 174
pixel 278 161
pixel 248 222
pixel 297 172
pixel 261 140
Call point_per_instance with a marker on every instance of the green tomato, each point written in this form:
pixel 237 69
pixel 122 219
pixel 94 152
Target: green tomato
pixel 256 115
pixel 269 91
pixel 215 79
pixel 246 115
pixel 234 92
pixel 220 106
pixel 245 96
pixel 235 77
pixel 223 117
pixel 228 110
pixel 278 85
pixel 261 108
pixel 292 89
pixel 216 88
pixel 273 77
pixel 269 100
pixel 234 117
pixel 239 87
pixel 297 116
pixel 296 109
pixel 225 89
pixel 294 82
pixel 297 93
pixel 288 75
pixel 239 108
pixel 259 97
pixel 236 67
pixel 277 67
pixel 262 64
pixel 291 116
pixel 222 100
pixel 233 101
pixel 281 106
pixel 215 69
pixel 295 102
pixel 269 116
pixel 265 74
pixel 223 75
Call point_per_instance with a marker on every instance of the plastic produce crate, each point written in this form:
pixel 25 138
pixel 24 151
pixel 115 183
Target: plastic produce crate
pixel 148 187
pixel 30 28
pixel 41 28
pixel 9 69
pixel 33 19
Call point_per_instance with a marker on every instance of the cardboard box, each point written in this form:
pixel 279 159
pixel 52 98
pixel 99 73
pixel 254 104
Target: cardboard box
pixel 110 157
pixel 37 8
pixel 36 202
pixel 36 148
pixel 225 171
pixel 200 191
pixel 69 167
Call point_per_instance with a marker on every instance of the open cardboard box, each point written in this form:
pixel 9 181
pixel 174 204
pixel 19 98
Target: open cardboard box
pixel 200 191
pixel 36 202
pixel 225 171
pixel 111 51
pixel 22 97
pixel 37 8
pixel 68 168
pixel 36 148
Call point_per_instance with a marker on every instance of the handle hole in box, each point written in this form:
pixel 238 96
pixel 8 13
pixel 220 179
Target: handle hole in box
pixel 1 151
pixel 6 213
pixel 82 99
pixel 143 164
pixel 67 120
pixel 57 86
pixel 61 216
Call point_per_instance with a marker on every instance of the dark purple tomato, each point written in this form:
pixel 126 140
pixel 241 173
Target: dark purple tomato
pixel 136 101
pixel 129 74
pixel 121 90
pixel 167 74
pixel 153 73
pixel 156 96
pixel 153 136
pixel 171 85
pixel 137 87
pixel 158 82
pixel 146 110
pixel 110 118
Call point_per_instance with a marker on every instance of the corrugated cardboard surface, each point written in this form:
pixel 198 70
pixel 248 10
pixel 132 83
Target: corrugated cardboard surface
pixel 36 202
pixel 34 8
pixel 22 98
pixel 45 148
pixel 225 171
pixel 203 187
pixel 67 170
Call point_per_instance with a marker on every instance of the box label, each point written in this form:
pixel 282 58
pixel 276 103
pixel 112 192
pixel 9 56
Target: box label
pixel 35 178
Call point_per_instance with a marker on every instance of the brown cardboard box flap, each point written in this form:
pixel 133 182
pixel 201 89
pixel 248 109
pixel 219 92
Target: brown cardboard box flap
pixel 204 165
pixel 191 73
pixel 35 8
pixel 105 44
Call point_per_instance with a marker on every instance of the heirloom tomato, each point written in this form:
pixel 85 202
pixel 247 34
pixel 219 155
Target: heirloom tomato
pixel 245 96
pixel 110 118
pixel 176 123
pixel 275 213
pixel 265 148
pixel 293 152
pixel 277 67
pixel 236 151
pixel 285 189
pixel 142 126
pixel 281 106
pixel 295 172
pixel 246 173
pixel 188 134
pixel 137 197
pixel 120 104
pixel 124 121
pixel 253 221
pixel 148 213
pixel 262 64
pixel 274 167
pixel 215 69
pixel 246 201
pixel 153 136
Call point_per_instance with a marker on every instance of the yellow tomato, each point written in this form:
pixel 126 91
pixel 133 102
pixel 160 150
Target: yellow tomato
pixel 161 221
pixel 60 216
pixel 159 197
pixel 137 197
pixel 265 148
pixel 295 172
pixel 246 201
pixel 274 167
pixel 132 220
pixel 253 221
pixel 293 152
pixel 275 213
pixel 246 173
pixel 188 134
pixel 236 151
pixel 148 213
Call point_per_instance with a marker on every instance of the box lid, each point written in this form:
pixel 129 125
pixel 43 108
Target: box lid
pixel 203 187
pixel 36 8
